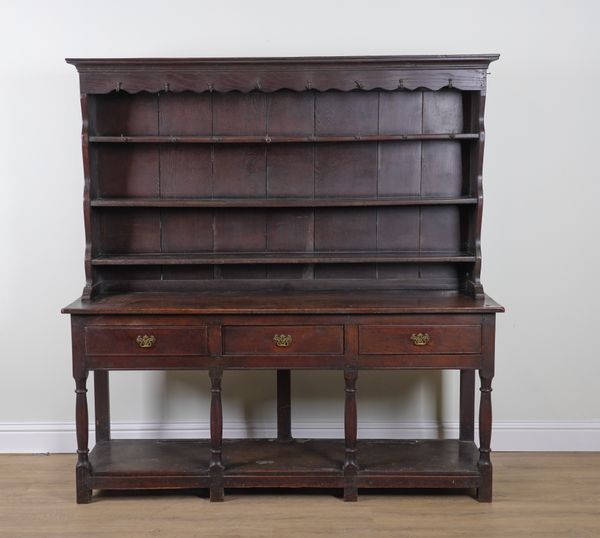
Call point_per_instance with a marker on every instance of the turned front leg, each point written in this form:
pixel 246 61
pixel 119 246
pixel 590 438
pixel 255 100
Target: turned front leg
pixel 484 493
pixel 486 374
pixel 350 431
pixel 83 467
pixel 216 436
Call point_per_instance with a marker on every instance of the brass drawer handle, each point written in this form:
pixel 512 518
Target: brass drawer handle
pixel 145 340
pixel 420 339
pixel 282 340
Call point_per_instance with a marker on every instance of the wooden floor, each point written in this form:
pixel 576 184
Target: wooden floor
pixel 536 495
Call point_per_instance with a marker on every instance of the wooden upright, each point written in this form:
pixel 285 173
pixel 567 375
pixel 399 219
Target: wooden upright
pixel 283 213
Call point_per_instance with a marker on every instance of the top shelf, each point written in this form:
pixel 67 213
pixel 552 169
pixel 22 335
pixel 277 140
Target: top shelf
pixel 267 139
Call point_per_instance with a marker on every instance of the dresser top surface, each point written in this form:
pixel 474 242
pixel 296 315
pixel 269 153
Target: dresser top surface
pixel 286 302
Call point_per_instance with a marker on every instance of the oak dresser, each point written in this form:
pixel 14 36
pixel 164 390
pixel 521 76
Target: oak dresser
pixel 283 214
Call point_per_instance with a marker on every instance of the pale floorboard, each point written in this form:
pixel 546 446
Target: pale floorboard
pixel 536 495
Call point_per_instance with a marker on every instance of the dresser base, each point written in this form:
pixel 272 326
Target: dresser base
pixel 269 463
pixel 357 333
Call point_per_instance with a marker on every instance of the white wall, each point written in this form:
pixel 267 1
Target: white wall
pixel 541 223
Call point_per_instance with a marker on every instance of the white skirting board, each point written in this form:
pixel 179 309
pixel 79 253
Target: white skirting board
pixel 59 437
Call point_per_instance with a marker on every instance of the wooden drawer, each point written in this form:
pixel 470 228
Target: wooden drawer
pixel 283 339
pixel 144 340
pixel 418 339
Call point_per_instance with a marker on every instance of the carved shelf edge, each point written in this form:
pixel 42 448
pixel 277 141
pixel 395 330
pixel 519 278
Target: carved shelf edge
pixel 465 72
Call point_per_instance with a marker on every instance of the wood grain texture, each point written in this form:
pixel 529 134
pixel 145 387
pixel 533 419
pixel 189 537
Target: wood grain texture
pixel 185 113
pixel 304 340
pixel 397 340
pixel 370 460
pixel 330 302
pixel 190 340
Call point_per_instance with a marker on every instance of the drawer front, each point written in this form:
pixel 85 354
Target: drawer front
pixel 144 340
pixel 418 339
pixel 283 339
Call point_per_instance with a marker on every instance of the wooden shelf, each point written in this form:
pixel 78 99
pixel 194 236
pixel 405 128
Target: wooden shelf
pixel 224 258
pixel 281 202
pixel 313 462
pixel 266 139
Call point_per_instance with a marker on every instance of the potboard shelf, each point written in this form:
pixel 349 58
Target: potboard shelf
pixel 254 462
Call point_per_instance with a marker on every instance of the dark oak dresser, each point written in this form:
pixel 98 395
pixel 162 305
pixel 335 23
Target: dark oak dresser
pixel 283 214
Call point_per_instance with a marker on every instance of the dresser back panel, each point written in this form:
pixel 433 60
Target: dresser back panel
pixel 279 113
pixel 305 169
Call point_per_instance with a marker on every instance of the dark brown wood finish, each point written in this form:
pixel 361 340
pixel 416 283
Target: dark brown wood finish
pixel 83 468
pixel 284 405
pixel 486 374
pixel 178 463
pixel 90 276
pixel 350 429
pixel 216 435
pixel 283 340
pixel 467 405
pixel 102 405
pixel 401 339
pixel 146 340
pixel 282 301
pixel 283 213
